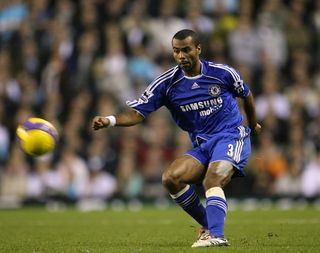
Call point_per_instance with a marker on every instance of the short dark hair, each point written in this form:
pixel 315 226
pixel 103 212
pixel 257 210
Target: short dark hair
pixel 182 34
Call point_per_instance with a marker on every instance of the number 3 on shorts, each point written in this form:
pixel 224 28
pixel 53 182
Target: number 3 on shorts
pixel 230 150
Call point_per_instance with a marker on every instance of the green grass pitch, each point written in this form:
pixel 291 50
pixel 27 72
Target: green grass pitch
pixel 154 230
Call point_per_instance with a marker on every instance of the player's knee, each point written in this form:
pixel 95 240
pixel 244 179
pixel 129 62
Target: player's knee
pixel 218 175
pixel 170 179
pixel 212 179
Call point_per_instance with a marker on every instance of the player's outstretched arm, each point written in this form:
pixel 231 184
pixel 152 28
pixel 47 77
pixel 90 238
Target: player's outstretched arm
pixel 127 118
pixel 250 111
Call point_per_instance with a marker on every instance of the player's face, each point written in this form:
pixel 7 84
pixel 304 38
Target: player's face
pixel 186 54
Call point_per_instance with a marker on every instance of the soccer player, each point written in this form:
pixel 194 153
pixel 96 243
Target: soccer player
pixel 201 97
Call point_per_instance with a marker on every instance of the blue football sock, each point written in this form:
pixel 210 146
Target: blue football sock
pixel 190 202
pixel 216 212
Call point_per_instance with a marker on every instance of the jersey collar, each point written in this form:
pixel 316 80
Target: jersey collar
pixel 203 71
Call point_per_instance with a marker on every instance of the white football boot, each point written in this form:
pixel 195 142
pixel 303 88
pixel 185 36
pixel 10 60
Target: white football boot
pixel 205 239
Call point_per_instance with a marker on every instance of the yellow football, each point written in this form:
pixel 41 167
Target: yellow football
pixel 37 136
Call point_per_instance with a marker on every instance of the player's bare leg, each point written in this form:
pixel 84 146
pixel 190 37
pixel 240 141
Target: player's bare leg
pixel 177 179
pixel 182 171
pixel 218 175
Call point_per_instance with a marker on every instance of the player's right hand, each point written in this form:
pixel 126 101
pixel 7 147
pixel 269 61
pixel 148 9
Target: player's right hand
pixel 99 122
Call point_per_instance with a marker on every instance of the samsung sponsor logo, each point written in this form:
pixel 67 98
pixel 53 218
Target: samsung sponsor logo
pixel 213 103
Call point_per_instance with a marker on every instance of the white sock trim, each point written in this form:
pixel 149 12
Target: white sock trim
pixel 177 195
pixel 215 192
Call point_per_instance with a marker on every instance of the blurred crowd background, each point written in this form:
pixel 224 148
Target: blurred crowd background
pixel 67 61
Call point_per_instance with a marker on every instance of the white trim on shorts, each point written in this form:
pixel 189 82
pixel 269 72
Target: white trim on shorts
pixel 194 158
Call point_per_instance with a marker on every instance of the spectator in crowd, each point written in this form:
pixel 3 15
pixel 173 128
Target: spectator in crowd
pixel 244 44
pixel 270 162
pixel 273 107
pixel 311 176
pixel 14 176
pixel 164 26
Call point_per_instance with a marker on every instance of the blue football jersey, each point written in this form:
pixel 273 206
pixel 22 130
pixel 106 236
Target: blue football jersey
pixel 202 105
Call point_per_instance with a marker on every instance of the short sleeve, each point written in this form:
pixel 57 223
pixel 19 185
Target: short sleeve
pixel 235 83
pixel 150 100
pixel 155 94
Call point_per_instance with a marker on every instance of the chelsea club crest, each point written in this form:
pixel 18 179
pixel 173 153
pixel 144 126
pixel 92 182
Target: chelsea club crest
pixel 214 90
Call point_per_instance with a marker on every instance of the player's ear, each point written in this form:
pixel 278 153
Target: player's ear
pixel 198 48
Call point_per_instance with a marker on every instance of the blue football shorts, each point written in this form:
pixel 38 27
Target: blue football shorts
pixel 234 147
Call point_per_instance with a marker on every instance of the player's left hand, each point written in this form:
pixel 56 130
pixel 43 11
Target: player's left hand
pixel 256 130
